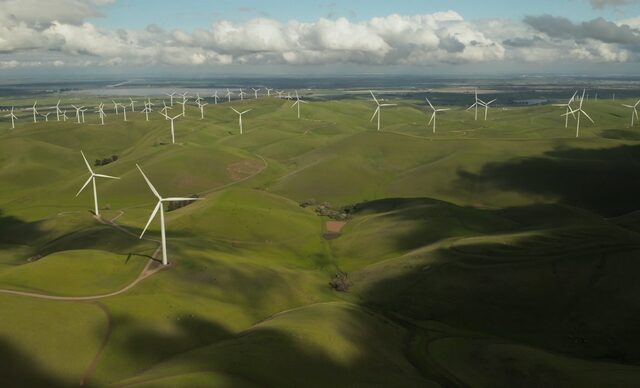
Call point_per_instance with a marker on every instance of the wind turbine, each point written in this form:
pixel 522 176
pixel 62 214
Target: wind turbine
pixel 78 109
pixel 378 111
pixel 146 111
pixel 171 96
pixel 173 137
pixel 279 93
pixel 298 101
pixel 478 102
pixel 255 93
pixel 241 95
pixel 165 110
pixel 228 95
pixel 124 111
pixel 100 112
pixel 184 104
pixel 201 106
pixel 215 97
pixel 92 178
pixel 580 112
pixel 160 208
pixel 486 108
pixel 82 113
pixel 569 109
pixel 115 105
pixel 634 113
pixel 13 118
pixel 268 91
pixel 433 116
pixel 64 115
pixel 58 111
pixel 46 116
pixel 35 111
pixel 240 117
pixel 133 104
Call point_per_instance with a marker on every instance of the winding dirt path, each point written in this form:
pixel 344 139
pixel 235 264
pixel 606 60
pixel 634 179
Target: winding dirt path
pixel 94 362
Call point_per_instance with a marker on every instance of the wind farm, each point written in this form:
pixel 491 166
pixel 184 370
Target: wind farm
pixel 321 200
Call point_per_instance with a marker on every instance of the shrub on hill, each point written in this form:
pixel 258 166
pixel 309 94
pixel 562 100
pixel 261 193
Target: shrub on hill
pixel 340 214
pixel 340 282
pixel 105 161
pixel 180 204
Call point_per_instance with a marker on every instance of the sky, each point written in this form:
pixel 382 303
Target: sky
pixel 155 37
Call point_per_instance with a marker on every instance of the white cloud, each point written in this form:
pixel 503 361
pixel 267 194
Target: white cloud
pixel 61 35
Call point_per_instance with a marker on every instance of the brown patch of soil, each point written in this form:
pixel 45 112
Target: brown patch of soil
pixel 335 226
pixel 245 168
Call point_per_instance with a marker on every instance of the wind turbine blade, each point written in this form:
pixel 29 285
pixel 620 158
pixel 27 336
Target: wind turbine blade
pixel 375 113
pixel 85 185
pixel 429 102
pixel 432 117
pixel 472 106
pixel 85 162
pixel 106 176
pixel 628 106
pixel 247 111
pixel 443 109
pixel 149 183
pixel 153 214
pixel 234 109
pixel 585 113
pixel 389 105
pixel 374 97
pixel 491 102
pixel 175 199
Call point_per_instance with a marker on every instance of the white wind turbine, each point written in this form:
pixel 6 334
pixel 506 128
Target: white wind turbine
pixel 184 105
pixel 297 103
pixel 241 95
pixel 146 110
pixel 78 109
pixel 379 107
pixel 58 110
pixel 165 109
pixel 255 92
pixel 35 111
pixel 133 104
pixel 13 118
pixel 478 102
pixel 634 112
pixel 91 179
pixel 435 112
pixel 486 108
pixel 279 93
pixel 201 107
pixel 160 207
pixel 64 115
pixel 100 112
pixel 82 113
pixel 228 95
pixel 268 91
pixel 46 116
pixel 215 97
pixel 240 117
pixel 569 109
pixel 116 105
pixel 124 111
pixel 580 112
pixel 173 136
pixel 171 97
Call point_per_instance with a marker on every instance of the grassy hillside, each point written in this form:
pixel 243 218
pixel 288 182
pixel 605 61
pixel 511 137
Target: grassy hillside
pixel 492 253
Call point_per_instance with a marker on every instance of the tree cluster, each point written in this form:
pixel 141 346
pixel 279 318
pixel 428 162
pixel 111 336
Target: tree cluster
pixel 105 161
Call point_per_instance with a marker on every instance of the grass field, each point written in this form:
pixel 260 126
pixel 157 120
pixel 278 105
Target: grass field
pixel 494 253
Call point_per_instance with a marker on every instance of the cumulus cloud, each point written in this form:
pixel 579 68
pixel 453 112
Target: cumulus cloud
pixel 61 35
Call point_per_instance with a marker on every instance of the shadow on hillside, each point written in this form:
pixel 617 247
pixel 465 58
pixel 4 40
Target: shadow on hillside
pixel 572 291
pixel 604 180
pixel 18 370
pixel 269 357
pixel 13 230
